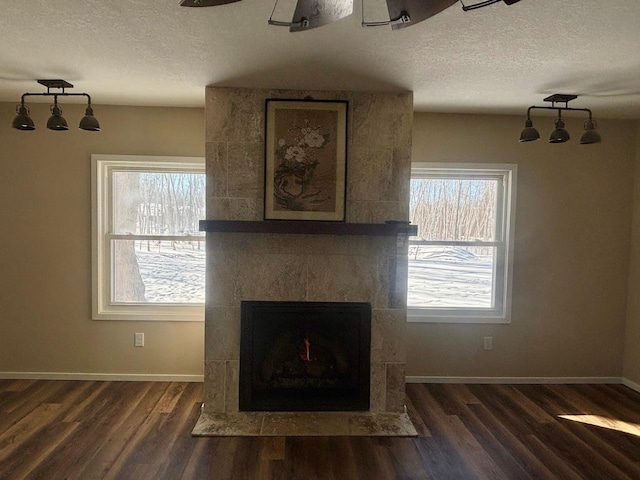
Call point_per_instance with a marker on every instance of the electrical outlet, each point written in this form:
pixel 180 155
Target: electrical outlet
pixel 138 339
pixel 488 343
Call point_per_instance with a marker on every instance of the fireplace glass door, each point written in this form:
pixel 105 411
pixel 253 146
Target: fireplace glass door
pixel 305 356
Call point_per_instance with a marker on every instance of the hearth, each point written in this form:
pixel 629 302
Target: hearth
pixel 305 356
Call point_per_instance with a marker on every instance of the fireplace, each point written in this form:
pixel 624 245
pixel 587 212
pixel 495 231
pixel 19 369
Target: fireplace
pixel 255 260
pixel 305 356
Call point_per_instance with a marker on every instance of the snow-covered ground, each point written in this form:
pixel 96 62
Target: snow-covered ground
pixel 172 275
pixel 442 277
pixel 438 276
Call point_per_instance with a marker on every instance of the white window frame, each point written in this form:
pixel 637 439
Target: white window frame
pixel 504 243
pixel 102 167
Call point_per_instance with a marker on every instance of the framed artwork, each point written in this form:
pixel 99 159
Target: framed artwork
pixel 305 160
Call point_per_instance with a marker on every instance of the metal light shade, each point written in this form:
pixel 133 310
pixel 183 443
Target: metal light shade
pixel 23 120
pixel 529 133
pixel 56 120
pixel 559 135
pixel 89 122
pixel 590 136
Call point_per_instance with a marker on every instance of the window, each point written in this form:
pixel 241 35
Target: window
pixel 460 263
pixel 148 254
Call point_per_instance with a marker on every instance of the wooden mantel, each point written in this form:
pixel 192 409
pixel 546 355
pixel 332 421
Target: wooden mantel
pixel 308 227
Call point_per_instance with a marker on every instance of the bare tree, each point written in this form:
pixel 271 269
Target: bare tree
pixel 451 209
pixel 128 285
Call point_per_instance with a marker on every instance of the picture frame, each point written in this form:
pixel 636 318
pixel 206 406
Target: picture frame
pixel 305 160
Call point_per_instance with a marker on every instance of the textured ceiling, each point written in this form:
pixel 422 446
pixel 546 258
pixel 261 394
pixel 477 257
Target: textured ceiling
pixel 498 59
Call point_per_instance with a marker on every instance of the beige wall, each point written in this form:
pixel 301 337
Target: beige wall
pixel 632 337
pixel 570 280
pixel 572 244
pixel 45 246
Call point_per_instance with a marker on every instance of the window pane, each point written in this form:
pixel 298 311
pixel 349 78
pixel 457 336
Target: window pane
pixel 454 209
pixel 448 276
pixel 158 272
pixel 158 203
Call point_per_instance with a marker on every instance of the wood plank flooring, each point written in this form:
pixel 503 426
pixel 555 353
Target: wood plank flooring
pixel 141 430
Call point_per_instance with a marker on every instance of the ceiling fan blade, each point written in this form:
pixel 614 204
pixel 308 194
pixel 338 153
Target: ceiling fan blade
pixel 319 12
pixel 204 3
pixel 418 10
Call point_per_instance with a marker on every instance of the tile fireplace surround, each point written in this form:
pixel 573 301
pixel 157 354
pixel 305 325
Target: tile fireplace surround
pixel 305 267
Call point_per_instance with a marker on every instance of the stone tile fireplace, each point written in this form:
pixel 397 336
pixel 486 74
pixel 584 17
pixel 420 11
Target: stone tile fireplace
pixel 277 266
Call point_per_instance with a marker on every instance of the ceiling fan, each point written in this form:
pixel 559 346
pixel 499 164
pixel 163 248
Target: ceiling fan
pixel 315 13
pixel 213 3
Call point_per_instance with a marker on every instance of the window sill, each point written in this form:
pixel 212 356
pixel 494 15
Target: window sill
pixel 421 317
pixel 152 314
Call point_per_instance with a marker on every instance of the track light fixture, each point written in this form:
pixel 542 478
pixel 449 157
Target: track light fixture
pixel 560 135
pixel 315 13
pixel 56 121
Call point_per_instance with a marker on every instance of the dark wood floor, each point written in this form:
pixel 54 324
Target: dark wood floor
pixel 138 430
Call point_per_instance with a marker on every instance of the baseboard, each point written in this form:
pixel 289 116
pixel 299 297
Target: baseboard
pixel 117 377
pixel 105 377
pixel 513 380
pixel 632 385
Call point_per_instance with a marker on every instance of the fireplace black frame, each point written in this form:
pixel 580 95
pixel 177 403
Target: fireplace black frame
pixel 354 398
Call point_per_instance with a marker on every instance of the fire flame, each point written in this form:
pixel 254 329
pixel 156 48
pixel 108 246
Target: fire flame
pixel 305 356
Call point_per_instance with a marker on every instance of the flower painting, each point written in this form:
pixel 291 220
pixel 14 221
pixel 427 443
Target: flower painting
pixel 305 160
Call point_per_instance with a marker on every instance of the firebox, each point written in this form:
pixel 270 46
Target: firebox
pixel 305 356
